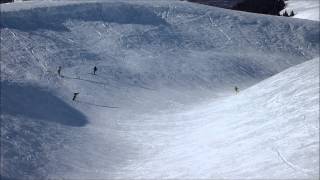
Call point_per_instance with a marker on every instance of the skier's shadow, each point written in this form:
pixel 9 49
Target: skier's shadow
pixel 103 83
pixel 82 79
pixel 34 102
pixel 141 86
pixel 130 84
pixel 93 104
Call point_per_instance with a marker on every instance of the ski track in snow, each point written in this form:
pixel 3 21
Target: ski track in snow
pixel 216 26
pixel 162 104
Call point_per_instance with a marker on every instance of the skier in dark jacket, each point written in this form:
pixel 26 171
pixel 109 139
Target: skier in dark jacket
pixel 236 89
pixel 74 96
pixel 95 69
pixel 59 70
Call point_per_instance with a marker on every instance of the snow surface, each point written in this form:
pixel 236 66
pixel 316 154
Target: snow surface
pixel 162 104
pixel 305 9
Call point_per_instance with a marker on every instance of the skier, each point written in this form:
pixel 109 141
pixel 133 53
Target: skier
pixel 236 89
pixel 74 96
pixel 59 71
pixel 95 70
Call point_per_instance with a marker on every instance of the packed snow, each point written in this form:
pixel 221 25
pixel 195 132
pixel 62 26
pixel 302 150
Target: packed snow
pixel 304 9
pixel 162 104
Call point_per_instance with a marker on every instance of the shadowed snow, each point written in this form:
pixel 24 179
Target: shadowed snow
pixel 35 103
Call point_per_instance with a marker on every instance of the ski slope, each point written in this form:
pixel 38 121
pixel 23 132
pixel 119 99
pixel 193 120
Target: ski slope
pixel 245 136
pixel 304 9
pixel 162 104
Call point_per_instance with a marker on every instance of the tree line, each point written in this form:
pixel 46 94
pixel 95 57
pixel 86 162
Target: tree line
pixel 271 7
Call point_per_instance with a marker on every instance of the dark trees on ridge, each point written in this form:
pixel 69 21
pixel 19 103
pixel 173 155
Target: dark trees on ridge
pixel 272 7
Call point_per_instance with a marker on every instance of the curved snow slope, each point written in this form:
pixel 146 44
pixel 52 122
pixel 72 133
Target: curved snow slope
pixel 268 131
pixel 157 62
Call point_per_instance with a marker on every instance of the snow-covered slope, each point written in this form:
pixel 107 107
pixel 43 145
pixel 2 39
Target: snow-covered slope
pixel 163 66
pixel 267 131
pixel 305 9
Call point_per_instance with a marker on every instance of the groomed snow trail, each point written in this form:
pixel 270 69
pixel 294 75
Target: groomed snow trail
pixel 162 103
pixel 268 131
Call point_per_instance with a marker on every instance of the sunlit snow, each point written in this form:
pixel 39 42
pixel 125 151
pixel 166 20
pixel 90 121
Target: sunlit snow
pixel 162 104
